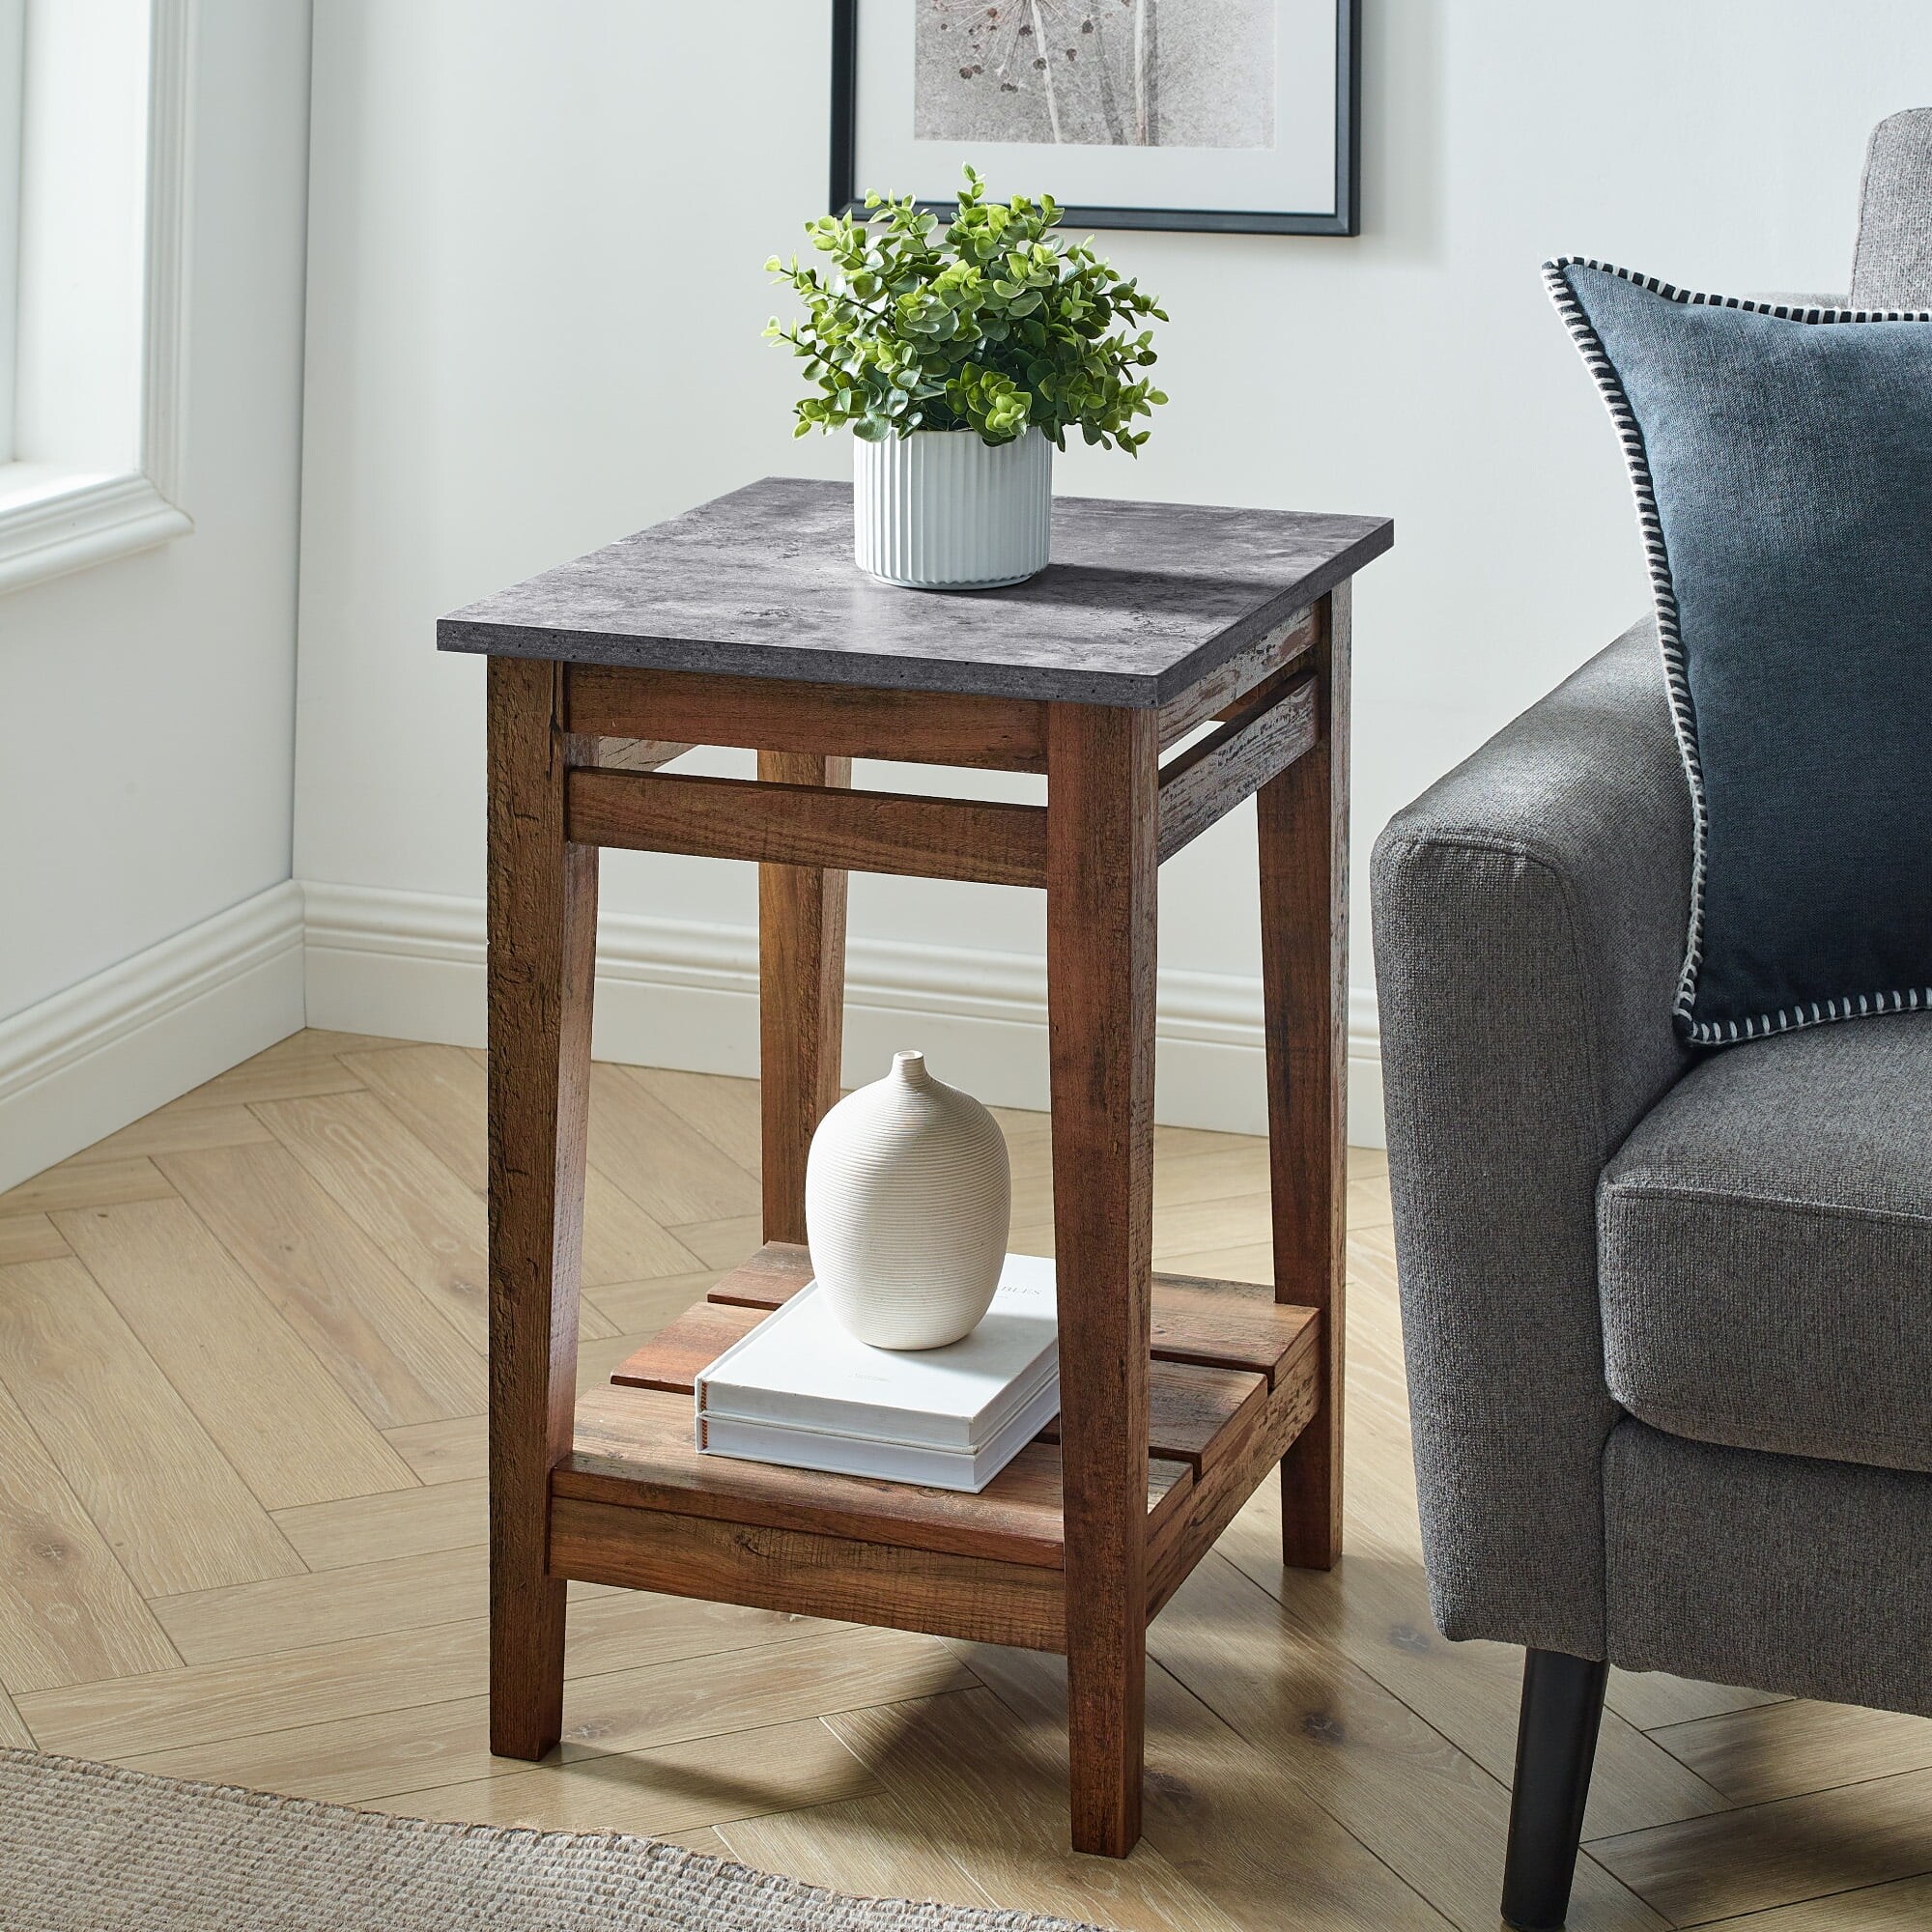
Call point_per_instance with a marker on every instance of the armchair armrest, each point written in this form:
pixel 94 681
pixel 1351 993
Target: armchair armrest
pixel 1530 913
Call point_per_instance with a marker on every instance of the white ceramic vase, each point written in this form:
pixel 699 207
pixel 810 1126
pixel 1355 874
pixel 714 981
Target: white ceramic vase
pixel 940 510
pixel 908 1198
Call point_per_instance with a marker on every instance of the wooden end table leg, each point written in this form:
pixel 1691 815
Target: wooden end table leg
pixel 543 943
pixel 800 1001
pixel 1304 820
pixel 1103 776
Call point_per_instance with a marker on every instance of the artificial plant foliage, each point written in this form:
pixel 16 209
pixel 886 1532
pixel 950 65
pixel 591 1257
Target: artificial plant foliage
pixel 989 323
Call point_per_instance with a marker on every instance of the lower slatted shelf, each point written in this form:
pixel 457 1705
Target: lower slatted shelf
pixel 1231 1382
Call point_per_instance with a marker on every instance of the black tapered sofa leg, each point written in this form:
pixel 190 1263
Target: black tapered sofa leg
pixel 1556 1746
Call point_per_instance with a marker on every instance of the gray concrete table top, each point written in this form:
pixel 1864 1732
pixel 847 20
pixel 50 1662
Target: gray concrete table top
pixel 1140 601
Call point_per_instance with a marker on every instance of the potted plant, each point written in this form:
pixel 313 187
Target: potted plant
pixel 961 353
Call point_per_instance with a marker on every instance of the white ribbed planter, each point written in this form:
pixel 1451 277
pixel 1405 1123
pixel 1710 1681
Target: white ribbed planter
pixel 940 510
pixel 908 1197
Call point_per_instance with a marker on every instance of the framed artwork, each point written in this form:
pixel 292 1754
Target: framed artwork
pixel 1216 114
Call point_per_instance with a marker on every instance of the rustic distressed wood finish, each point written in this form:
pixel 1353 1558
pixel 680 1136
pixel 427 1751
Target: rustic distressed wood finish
pixel 784 715
pixel 801 999
pixel 1302 820
pixel 812 825
pixel 1230 1378
pixel 543 939
pixel 1101 858
pixel 1176 1395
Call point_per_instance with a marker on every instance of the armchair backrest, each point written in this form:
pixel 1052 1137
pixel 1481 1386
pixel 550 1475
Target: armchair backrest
pixel 1893 268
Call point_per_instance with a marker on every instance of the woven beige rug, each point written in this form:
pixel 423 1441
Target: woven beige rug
pixel 90 1847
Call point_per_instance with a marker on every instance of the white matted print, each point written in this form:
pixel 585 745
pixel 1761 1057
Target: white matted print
pixel 1132 113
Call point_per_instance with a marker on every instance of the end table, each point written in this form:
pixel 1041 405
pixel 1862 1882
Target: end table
pixel 745 623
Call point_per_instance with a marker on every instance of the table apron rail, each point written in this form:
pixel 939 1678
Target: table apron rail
pixel 1230 688
pixel 785 715
pixel 1259 742
pixel 998 844
pixel 805 1573
pixel 809 825
pixel 859 721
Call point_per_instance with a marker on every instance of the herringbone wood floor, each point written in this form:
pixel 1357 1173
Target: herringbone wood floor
pixel 240 1539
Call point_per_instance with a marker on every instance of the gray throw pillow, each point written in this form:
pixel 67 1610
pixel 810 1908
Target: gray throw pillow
pixel 1783 463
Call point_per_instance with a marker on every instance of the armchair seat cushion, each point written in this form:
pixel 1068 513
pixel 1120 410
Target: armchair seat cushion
pixel 1765 1248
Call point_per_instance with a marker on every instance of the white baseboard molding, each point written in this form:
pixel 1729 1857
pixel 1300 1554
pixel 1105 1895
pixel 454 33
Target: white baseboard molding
pixel 85 1062
pixel 672 993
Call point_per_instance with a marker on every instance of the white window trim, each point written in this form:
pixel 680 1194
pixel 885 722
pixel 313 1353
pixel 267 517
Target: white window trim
pixel 53 520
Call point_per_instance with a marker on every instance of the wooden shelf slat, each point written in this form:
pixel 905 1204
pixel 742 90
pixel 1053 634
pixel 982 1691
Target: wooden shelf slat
pixel 674 1357
pixel 1237 1466
pixel 1191 1408
pixel 773 1275
pixel 1226 1324
pixel 1187 1405
pixel 1219 1325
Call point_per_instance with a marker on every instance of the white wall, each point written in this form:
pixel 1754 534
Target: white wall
pixel 534 304
pixel 147 704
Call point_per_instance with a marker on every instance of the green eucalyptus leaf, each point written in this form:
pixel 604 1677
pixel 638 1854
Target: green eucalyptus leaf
pixel 989 322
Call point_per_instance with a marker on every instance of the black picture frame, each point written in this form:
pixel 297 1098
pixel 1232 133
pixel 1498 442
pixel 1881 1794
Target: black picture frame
pixel 1346 220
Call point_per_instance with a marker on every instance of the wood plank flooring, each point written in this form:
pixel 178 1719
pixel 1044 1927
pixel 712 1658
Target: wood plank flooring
pixel 241 1524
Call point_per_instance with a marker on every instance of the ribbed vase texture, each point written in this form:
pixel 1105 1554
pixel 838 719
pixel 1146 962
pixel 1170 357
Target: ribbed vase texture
pixel 940 510
pixel 908 1199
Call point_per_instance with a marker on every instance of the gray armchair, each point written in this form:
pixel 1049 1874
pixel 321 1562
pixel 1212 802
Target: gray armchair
pixel 1668 1316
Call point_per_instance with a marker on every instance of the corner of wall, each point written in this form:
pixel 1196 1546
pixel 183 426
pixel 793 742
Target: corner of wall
pixel 87 1060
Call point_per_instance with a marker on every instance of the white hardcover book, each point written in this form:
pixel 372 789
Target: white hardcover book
pixel 799 1369
pixel 884 1461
